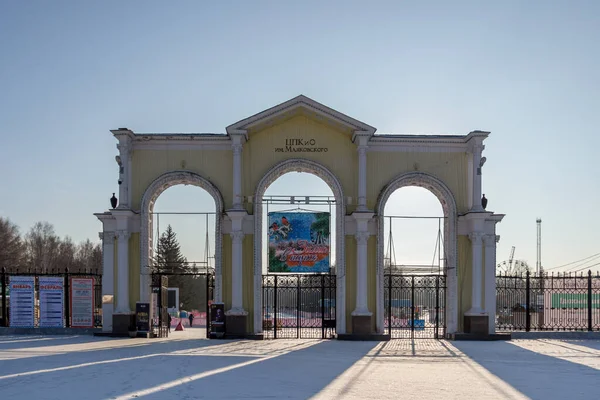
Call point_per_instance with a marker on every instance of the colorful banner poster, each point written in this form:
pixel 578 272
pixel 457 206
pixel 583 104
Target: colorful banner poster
pixel 299 242
pixel 51 301
pixel 22 301
pixel 82 302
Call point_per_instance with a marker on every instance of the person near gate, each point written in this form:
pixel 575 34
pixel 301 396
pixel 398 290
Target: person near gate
pixel 191 317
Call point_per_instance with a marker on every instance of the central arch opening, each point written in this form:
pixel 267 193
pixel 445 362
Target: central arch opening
pixel 416 258
pixel 298 251
pixel 298 263
pixel 414 264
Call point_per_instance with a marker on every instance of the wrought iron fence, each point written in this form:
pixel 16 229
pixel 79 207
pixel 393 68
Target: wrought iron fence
pixel 201 284
pixel 67 320
pixel 299 306
pixel 545 302
pixel 415 306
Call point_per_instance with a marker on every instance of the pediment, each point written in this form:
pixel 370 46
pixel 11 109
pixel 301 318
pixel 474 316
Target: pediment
pixel 300 105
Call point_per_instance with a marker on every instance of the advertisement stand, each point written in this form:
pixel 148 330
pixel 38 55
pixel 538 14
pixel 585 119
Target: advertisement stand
pixel 217 320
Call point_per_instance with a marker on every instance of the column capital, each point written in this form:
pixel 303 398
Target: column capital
pixel 237 236
pixel 107 237
pixel 362 237
pixel 490 240
pixel 237 148
pixel 362 150
pixel 124 148
pixel 123 234
pixel 477 147
pixel 476 237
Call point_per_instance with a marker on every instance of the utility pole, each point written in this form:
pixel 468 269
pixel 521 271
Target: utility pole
pixel 538 266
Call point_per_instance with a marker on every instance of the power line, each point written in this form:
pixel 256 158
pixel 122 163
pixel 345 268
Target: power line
pixel 579 265
pixel 572 262
pixel 588 267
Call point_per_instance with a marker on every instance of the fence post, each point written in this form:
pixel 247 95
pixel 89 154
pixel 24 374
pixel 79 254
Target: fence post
pixel 323 306
pixel 207 318
pixel 298 306
pixel 4 310
pixel 412 308
pixel 589 302
pixel 67 302
pixel 527 301
pixel 390 304
pixel 437 306
pixel 275 307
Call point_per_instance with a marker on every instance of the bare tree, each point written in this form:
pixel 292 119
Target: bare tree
pixel 42 247
pixel 66 254
pixel 83 256
pixel 11 246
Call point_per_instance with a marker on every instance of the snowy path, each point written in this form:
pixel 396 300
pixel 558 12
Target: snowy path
pixel 187 367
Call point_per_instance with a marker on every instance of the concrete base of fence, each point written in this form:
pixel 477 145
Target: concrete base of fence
pixel 235 325
pixel 246 336
pixel 479 337
pixel 361 324
pixel 49 331
pixel 364 338
pixel 562 335
pixel 476 324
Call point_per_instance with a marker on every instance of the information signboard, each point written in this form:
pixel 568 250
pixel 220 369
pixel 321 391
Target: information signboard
pixel 142 317
pixel 22 300
pixel 217 320
pixel 51 301
pixel 82 302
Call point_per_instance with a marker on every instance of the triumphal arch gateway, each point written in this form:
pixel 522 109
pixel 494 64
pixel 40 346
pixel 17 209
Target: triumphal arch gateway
pixel 362 169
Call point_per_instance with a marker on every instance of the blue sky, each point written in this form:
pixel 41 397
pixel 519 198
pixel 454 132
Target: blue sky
pixel 528 71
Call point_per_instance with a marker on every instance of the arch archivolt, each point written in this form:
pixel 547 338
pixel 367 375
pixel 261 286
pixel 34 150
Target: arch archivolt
pixel 301 165
pixel 152 192
pixel 446 198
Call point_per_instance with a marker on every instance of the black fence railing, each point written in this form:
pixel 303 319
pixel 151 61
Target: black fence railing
pixel 299 306
pixel 49 303
pixel 545 302
pixel 415 306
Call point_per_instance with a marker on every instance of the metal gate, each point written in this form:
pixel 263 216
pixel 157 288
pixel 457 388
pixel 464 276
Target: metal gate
pixel 415 306
pixel 299 306
pixel 160 286
pixel 160 323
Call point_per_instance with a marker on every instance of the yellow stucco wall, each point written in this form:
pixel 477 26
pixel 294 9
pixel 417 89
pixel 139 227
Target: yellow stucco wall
pixel 226 271
pixel 115 272
pixel 341 158
pixel 450 168
pixel 464 278
pixel 350 280
pixel 214 165
pixel 248 282
pixel 134 269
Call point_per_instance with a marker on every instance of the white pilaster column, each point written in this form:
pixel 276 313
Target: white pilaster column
pixel 362 177
pixel 237 302
pixel 237 176
pixel 362 237
pixel 237 270
pixel 477 149
pixel 476 292
pixel 108 290
pixel 123 272
pixel 362 308
pixel 124 147
pixel 490 279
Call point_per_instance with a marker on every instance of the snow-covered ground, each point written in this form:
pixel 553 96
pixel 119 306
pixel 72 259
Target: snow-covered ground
pixel 186 366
